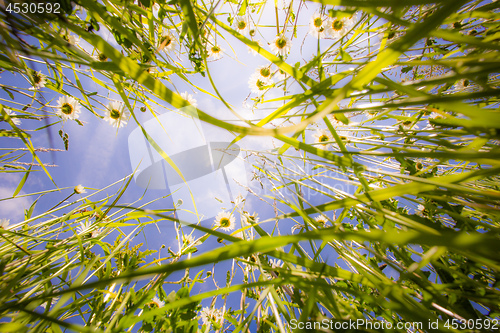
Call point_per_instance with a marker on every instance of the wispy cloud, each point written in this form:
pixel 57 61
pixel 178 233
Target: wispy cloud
pixel 12 209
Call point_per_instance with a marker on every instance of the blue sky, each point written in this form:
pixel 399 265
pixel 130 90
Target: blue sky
pixel 98 154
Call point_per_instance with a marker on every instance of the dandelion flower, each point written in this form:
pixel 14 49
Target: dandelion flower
pixel 321 219
pixel 318 26
pixel 191 100
pixel 281 45
pixel 225 221
pixel 11 113
pixel 323 137
pixel 68 108
pixel 79 189
pixel 167 41
pixel 242 25
pixel 116 115
pixel 157 302
pixel 39 80
pixel 4 223
pixel 259 84
pixel 209 316
pixel 337 27
pixel 214 50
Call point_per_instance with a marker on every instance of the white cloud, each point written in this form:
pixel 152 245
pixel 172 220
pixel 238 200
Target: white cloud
pixel 12 209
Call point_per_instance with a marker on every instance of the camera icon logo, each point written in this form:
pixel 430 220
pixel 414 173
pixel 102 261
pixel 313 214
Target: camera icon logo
pixel 202 174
